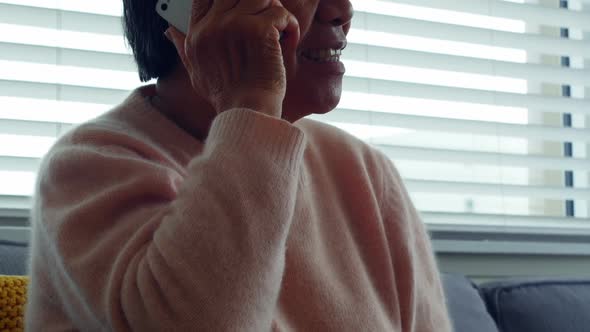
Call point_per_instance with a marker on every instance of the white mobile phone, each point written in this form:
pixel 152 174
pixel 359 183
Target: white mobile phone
pixel 176 12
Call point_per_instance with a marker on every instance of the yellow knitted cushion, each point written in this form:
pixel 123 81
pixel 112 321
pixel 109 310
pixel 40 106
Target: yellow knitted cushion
pixel 13 296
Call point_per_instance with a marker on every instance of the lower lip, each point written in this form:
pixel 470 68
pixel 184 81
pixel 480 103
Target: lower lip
pixel 332 68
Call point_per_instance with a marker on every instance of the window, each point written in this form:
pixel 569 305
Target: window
pixel 482 104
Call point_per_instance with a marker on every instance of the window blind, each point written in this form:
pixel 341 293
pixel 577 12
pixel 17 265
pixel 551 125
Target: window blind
pixel 483 105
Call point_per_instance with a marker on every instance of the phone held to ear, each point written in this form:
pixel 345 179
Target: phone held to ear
pixel 177 13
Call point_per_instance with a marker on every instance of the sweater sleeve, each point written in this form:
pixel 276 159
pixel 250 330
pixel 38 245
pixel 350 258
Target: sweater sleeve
pixel 421 295
pixel 132 244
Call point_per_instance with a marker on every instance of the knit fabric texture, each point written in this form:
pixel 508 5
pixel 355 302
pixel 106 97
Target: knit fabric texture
pixel 266 225
pixel 13 297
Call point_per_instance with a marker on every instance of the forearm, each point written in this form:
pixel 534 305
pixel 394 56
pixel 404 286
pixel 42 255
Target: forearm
pixel 210 258
pixel 222 246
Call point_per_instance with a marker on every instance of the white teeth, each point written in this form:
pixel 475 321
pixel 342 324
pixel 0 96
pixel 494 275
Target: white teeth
pixel 322 55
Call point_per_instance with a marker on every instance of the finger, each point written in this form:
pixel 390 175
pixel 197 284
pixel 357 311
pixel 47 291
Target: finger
pixel 199 9
pixel 284 23
pixel 221 6
pixel 278 3
pixel 253 6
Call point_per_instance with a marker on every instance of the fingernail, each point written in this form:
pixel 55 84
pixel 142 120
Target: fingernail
pixel 167 34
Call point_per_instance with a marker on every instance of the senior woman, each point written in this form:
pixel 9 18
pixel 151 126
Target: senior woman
pixel 207 202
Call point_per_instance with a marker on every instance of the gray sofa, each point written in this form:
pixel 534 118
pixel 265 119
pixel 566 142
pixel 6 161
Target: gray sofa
pixel 13 258
pixel 525 305
pixel 558 305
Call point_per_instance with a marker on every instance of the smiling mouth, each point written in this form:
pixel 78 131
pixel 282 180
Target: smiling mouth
pixel 321 55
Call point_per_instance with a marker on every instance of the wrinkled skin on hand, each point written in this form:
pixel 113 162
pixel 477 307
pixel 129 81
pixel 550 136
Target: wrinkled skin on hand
pixel 234 55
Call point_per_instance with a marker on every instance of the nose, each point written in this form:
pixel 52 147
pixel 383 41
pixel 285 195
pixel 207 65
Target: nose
pixel 334 12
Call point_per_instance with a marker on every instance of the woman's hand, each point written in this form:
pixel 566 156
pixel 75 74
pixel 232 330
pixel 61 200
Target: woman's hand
pixel 234 53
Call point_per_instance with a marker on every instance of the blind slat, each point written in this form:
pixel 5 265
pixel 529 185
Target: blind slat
pixel 528 71
pixel 104 7
pixel 477 157
pixel 28 35
pixel 455 125
pixel 66 75
pixel 528 42
pixel 67 57
pixel 9 202
pixel 531 13
pixel 533 102
pixel 509 223
pixel 492 189
pixel 28 128
pixel 59 19
pixel 40 90
pixel 19 164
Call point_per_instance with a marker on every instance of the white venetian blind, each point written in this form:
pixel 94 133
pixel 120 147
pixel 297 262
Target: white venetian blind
pixel 482 104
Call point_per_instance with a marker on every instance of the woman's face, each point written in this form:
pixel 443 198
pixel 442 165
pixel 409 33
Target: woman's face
pixel 315 86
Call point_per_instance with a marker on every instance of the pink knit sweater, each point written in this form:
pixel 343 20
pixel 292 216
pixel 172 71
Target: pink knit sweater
pixel 265 226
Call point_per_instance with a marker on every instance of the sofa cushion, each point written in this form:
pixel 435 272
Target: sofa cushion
pixel 466 307
pixel 540 306
pixel 13 258
pixel 13 297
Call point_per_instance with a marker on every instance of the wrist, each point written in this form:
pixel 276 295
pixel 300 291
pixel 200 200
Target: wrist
pixel 269 105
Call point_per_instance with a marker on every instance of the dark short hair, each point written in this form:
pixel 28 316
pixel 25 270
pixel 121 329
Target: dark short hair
pixel 144 29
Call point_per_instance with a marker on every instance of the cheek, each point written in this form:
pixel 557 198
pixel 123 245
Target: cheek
pixel 304 11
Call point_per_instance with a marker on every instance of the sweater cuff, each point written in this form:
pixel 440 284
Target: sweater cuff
pixel 241 130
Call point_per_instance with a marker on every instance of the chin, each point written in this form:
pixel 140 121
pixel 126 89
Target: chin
pixel 325 104
pixel 300 109
pixel 313 101
pixel 324 110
